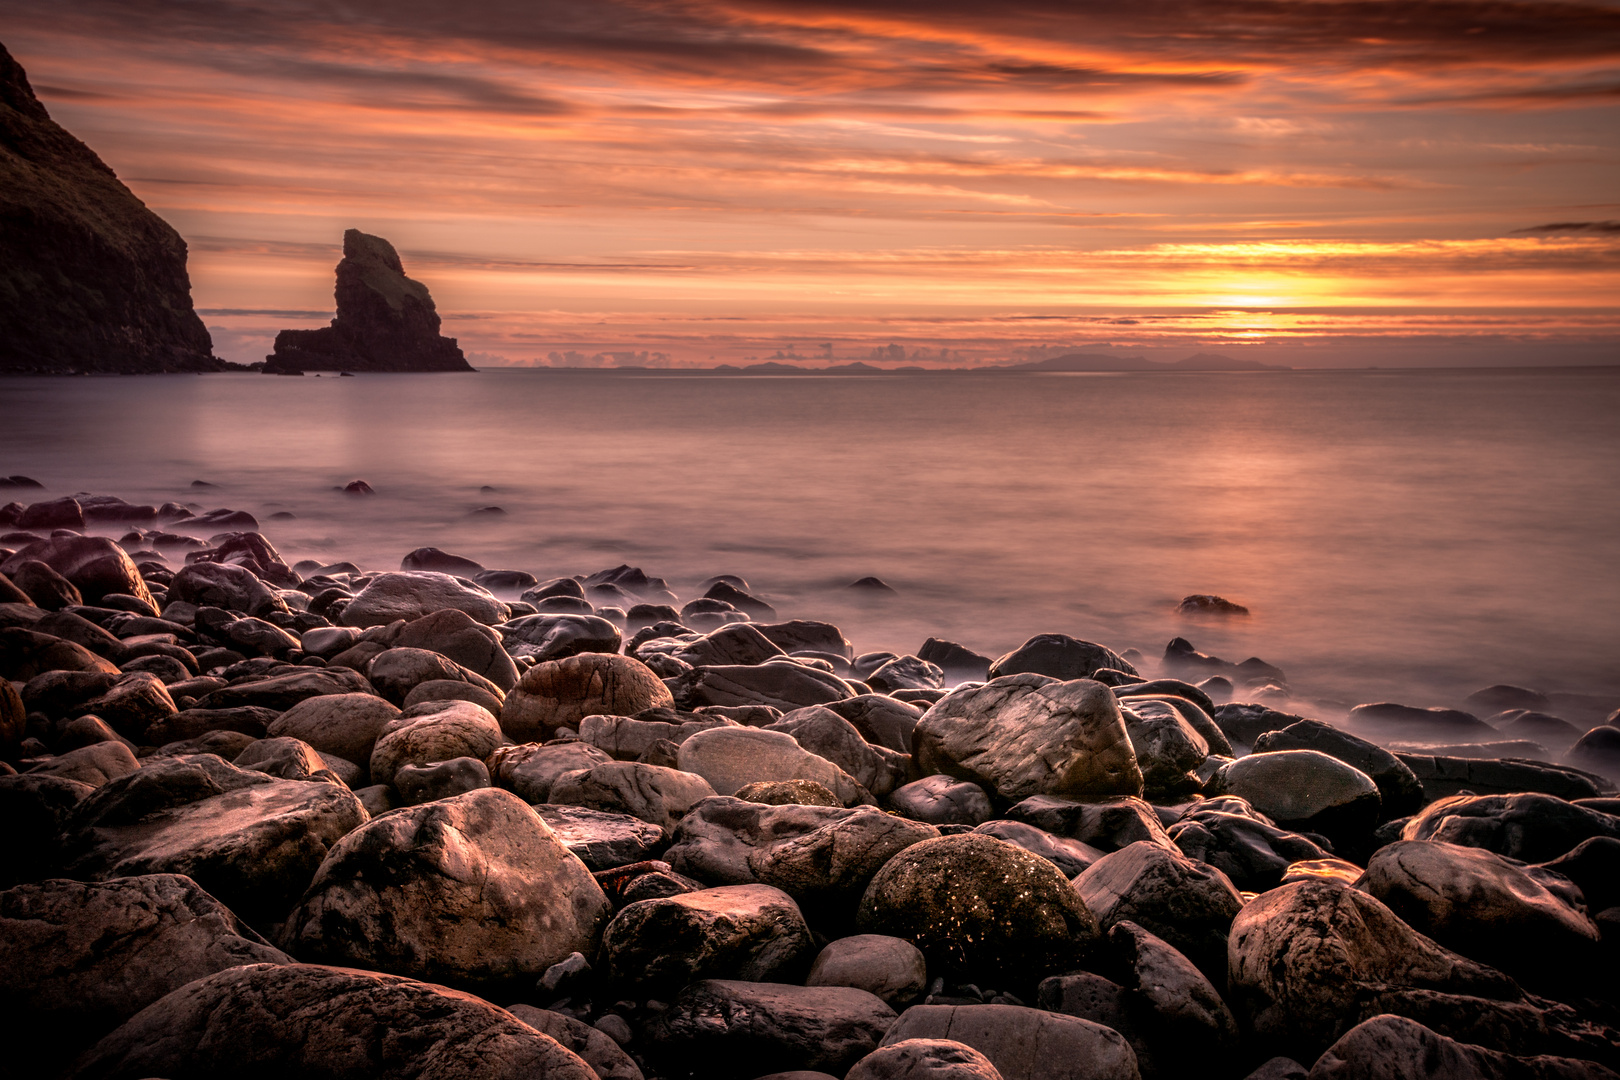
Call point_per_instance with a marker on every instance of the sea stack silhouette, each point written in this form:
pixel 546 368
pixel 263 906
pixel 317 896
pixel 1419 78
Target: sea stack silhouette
pixel 90 279
pixel 385 321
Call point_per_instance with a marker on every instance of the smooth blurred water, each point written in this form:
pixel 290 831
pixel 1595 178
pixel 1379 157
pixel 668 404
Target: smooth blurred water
pixel 1398 534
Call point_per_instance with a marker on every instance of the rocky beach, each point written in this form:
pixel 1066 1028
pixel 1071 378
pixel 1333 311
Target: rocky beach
pixel 444 820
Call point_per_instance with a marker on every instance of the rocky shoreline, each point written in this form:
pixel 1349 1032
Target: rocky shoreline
pixel 447 821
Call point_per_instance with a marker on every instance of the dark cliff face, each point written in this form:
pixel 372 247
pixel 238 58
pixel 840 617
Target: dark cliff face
pixel 385 321
pixel 90 279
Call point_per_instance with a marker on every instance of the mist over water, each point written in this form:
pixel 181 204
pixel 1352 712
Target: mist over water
pixel 1410 535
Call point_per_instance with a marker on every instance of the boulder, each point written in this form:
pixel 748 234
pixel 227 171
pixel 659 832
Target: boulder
pixel 1023 1044
pixel 453 690
pixel 1309 961
pixel 95 565
pixel 1167 747
pixel 730 757
pixel 1520 919
pixel 305 1019
pixel 942 800
pixel 36 809
pixel 96 764
pixel 600 839
pixel 284 690
pixel 786 686
pixel 82 957
pixel 1023 735
pixel 786 792
pixel 881 720
pixel 801 635
pixel 411 596
pixel 131 705
pixel 396 672
pixel 594 1048
pixel 1243 845
pixel 734 643
pixel 1528 827
pixel 189 724
pixel 752 932
pixel 555 636
pixel 224 585
pixel 1071 857
pixel 739 1030
pixel 418 784
pixel 529 769
pixel 1443 776
pixel 26 655
pixel 889 967
pixel 1597 750
pixel 561 693
pixel 1107 826
pixel 1594 866
pixel 822 856
pixel 1189 905
pixel 249 839
pixel 44 587
pixel 1395 1048
pixel 1244 722
pixel 650 793
pixel 1388 720
pixel 474 890
pixel 346 725
pixel 442 562
pixel 1399 788
pixel 906 673
pixel 980 909
pixel 453 633
pixel 1060 657
pixel 924 1059
pixel 437 731
pixel 1305 790
pixel 826 734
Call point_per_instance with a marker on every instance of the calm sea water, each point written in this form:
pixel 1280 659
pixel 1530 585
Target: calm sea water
pixel 1398 535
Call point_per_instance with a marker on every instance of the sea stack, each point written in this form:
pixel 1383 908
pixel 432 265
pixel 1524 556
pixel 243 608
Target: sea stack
pixel 90 279
pixel 385 321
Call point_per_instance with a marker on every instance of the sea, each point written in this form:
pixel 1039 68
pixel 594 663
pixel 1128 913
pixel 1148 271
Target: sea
pixel 1397 535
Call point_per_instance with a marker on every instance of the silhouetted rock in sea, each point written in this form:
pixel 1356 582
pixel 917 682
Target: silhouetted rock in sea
pixel 90 279
pixel 385 321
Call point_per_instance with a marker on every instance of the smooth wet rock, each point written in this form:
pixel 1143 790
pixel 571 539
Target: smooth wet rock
pixel 224 585
pixel 1594 866
pixel 1022 1043
pixel 798 635
pixel 752 932
pixel 737 643
pixel 826 734
pixel 1167 747
pixel 418 784
pixel 1059 656
pixel 94 564
pixel 824 857
pixel 889 967
pixel 1407 722
pixel 25 655
pixel 1071 857
pixel 455 634
pixel 252 841
pixel 530 769
pixel 942 800
pixel 190 724
pixel 730 757
pixel 437 731
pixel 1445 775
pixel 1108 826
pixel 1190 905
pixel 453 690
pixel 411 596
pixel 555 634
pixel 346 725
pixel 1245 846
pixel 739 1030
pixel 924 1059
pixel 284 690
pixel 82 957
pixel 650 793
pixel 43 586
pixel 783 686
pixel 1597 751
pixel 881 720
pixel 980 909
pixel 906 673
pixel 396 672
pixel 957 662
pixel 270 1020
pixel 473 890
pixel 294 759
pixel 1305 790
pixel 96 764
pixel 600 839
pixel 558 693
pixel 1486 907
pixel 1399 788
pixel 1024 735
pixel 1529 827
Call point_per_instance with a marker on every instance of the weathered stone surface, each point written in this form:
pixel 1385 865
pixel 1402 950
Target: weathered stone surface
pixel 561 693
pixel 1443 776
pixel 267 1020
pixel 924 1059
pixel 188 724
pixel 453 633
pixel 1240 843
pixel 800 635
pixel 131 705
pixel 1071 857
pixel 415 595
pixel 752 932
pixel 26 655
pixel 734 643
pixel 437 731
pixel 785 792
pixel 942 800
pixel 453 690
pixel 1167 747
pixel 1024 735
pixel 95 565
pixel 418 784
pixel 474 890
pixel 826 734
pixel 1107 826
pixel 1398 786
pixel 95 764
pixel 284 690
pixel 881 720
pixel 740 1029
pixel 555 636
pixel 1513 917
pixel 980 909
pixel 82 957
pixel 1189 905
pixel 1059 656
pixel 385 321
pixel 1309 961
pixel 289 759
pixel 396 672
pixel 786 686
pixel 822 856
pixel 95 281
pixel 528 770
pixel 1529 827
pixel 1023 1044
pixel 598 1051
pixel 650 793
pixel 889 967
pixel 1395 1048
pixel 600 839
pixel 250 840
pixel 730 757
pixel 224 585
pixel 343 724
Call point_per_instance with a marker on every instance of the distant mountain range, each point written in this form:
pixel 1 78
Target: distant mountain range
pixel 1088 360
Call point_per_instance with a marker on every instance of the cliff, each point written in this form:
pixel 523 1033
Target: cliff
pixel 90 279
pixel 385 321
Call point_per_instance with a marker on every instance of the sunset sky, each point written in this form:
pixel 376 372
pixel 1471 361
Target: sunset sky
pixel 613 181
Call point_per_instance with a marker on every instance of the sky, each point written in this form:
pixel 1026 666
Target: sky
pixel 673 183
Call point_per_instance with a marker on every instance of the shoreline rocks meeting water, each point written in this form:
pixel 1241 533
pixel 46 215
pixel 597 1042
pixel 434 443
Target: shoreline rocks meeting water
pixel 445 821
